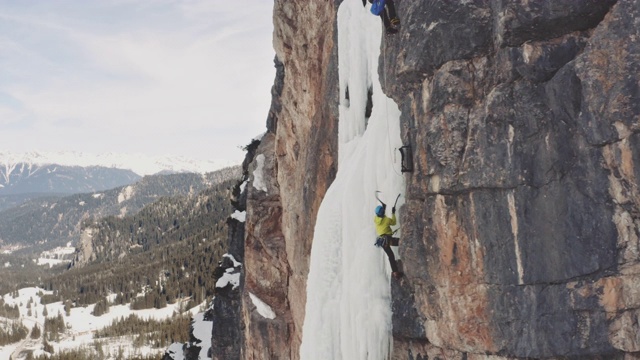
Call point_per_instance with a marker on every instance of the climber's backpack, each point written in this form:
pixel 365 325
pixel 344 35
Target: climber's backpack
pixel 377 6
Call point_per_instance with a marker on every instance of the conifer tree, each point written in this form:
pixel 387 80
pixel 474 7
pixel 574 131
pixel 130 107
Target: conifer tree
pixel 35 332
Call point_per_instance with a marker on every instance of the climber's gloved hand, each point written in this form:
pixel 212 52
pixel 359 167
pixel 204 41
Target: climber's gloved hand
pixel 393 210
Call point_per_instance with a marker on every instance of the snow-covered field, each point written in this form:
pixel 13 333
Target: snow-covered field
pixel 9 249
pixel 51 262
pixel 202 330
pixel 81 325
pixel 59 255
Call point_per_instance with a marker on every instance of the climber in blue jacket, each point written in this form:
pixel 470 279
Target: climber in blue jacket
pixel 388 15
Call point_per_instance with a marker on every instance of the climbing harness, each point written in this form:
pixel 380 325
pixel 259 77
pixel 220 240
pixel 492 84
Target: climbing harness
pixel 381 241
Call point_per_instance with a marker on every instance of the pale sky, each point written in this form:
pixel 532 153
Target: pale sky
pixel 160 77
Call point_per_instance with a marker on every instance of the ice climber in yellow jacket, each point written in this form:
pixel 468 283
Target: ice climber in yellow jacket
pixel 385 237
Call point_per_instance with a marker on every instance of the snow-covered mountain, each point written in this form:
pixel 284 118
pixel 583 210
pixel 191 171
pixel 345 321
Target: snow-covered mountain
pixel 141 164
pixel 29 178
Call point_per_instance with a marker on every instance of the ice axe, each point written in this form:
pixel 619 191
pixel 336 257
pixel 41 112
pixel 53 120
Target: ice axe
pixel 382 202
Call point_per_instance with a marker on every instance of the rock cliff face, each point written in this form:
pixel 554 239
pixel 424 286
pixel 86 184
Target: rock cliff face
pixel 293 167
pixel 521 216
pixel 520 227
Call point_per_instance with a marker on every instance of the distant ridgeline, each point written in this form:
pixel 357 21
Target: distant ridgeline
pixel 56 219
pixel 29 178
pixel 22 181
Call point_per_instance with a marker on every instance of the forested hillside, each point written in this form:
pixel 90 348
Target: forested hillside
pixel 20 271
pixel 163 257
pixel 168 220
pixel 52 221
pixel 170 250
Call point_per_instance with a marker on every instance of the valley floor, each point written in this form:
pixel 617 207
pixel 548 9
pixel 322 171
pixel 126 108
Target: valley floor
pixel 81 326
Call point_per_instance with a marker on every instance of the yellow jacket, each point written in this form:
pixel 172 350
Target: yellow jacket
pixel 383 224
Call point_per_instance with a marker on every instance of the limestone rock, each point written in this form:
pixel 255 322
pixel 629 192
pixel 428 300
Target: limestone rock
pixel 289 174
pixel 525 190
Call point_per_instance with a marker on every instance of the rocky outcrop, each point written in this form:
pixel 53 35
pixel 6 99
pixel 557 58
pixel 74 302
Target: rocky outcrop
pixel 227 340
pixel 225 311
pixel 306 135
pixel 293 167
pixel 520 233
pixel 84 250
pixel 267 270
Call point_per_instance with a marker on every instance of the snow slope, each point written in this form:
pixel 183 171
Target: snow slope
pixel 81 324
pixel 202 331
pixel 59 255
pixel 348 310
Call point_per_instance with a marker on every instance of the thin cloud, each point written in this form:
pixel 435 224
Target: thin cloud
pixel 168 73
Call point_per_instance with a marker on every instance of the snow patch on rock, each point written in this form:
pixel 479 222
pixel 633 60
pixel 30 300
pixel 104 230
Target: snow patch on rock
pixel 263 309
pixel 258 176
pixel 239 215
